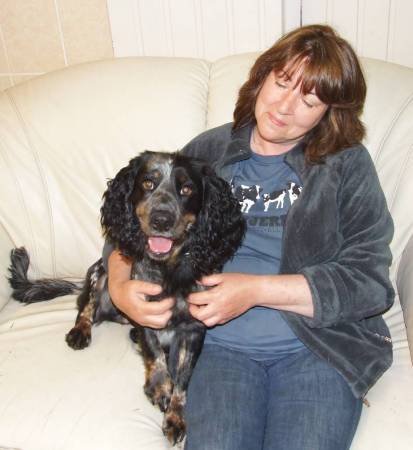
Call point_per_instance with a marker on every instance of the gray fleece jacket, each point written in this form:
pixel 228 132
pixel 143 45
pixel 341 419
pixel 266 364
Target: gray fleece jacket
pixel 337 235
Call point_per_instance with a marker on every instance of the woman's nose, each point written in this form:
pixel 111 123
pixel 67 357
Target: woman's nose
pixel 287 102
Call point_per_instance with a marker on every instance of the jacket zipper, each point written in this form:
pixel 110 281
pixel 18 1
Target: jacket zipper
pixel 384 338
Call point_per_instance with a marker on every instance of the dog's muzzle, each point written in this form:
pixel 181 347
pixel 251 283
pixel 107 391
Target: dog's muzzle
pixel 162 221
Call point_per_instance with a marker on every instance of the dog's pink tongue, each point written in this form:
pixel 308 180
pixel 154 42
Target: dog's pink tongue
pixel 160 244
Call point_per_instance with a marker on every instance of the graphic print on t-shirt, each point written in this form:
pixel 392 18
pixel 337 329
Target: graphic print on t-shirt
pixel 255 201
pixel 247 196
pixel 277 197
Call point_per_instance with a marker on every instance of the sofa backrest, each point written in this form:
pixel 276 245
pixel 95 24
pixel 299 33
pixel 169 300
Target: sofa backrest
pixel 64 134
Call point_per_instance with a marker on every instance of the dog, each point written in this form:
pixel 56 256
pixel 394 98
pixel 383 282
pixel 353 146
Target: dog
pixel 177 221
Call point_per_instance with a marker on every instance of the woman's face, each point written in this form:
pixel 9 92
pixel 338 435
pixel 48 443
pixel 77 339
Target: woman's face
pixel 283 114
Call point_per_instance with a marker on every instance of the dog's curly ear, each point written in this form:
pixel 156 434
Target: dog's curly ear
pixel 118 218
pixel 220 226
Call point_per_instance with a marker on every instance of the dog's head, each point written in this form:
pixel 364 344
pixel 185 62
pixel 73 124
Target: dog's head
pixel 167 205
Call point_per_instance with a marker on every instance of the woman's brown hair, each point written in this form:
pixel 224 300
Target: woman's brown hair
pixel 330 69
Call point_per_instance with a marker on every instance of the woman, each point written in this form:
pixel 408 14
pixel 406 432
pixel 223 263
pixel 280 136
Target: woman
pixel 296 336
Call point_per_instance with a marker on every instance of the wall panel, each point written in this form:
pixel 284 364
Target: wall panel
pixel 246 25
pixel 344 16
pixel 183 33
pixel 215 28
pixel 38 36
pixel 124 18
pixel 376 28
pixel 154 27
pixel 81 25
pixel 400 45
pixel 373 28
pixel 6 79
pixel 200 28
pixel 31 35
pixel 314 11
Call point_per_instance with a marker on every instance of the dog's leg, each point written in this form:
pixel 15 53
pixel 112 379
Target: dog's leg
pixel 184 353
pixel 80 335
pixel 158 384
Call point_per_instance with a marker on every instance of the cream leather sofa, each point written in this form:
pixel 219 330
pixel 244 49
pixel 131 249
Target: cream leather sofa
pixel 62 136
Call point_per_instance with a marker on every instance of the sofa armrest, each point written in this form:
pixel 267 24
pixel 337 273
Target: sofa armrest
pixel 6 244
pixel 405 289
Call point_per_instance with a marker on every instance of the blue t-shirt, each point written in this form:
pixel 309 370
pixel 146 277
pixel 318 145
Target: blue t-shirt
pixel 266 187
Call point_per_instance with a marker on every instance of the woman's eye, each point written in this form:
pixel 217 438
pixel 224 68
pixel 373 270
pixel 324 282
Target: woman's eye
pixel 309 105
pixel 148 185
pixel 281 85
pixel 186 191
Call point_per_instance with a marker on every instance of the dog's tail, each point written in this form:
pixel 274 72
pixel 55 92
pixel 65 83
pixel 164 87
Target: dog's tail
pixel 31 291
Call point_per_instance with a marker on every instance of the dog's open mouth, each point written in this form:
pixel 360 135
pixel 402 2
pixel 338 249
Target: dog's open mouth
pixel 160 246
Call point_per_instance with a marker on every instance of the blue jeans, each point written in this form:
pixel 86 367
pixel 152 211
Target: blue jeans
pixel 297 402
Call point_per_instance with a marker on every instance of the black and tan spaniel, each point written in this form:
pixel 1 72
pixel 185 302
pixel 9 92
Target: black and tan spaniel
pixel 177 221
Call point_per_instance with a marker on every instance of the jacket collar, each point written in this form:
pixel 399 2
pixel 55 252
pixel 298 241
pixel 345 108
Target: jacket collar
pixel 295 158
pixel 240 149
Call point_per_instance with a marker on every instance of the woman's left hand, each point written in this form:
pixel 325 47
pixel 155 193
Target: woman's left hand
pixel 228 295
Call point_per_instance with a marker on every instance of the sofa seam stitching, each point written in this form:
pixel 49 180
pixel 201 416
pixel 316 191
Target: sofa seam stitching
pixel 400 176
pixel 19 189
pixel 32 147
pixel 392 125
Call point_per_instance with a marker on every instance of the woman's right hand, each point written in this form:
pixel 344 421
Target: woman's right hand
pixel 129 295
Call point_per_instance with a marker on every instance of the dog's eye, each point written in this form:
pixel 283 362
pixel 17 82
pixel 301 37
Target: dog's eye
pixel 186 191
pixel 148 185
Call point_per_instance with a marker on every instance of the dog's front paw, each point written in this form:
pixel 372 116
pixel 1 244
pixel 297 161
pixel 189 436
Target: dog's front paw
pixel 159 393
pixel 173 426
pixel 78 338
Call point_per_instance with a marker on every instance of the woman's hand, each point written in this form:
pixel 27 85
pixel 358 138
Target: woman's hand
pixel 228 296
pixel 129 295
pixel 231 294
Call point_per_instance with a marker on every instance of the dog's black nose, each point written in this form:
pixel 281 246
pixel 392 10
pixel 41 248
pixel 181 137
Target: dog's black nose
pixel 162 220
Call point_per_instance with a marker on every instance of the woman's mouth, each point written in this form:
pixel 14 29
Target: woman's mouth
pixel 275 121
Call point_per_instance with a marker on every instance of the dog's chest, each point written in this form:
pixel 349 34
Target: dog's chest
pixel 153 273
pixel 145 271
pixel 165 336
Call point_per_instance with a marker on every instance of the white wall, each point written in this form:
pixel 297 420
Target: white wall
pixel 214 28
pixel 379 29
pixel 200 28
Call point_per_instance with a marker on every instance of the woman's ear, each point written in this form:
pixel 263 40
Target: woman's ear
pixel 220 226
pixel 118 217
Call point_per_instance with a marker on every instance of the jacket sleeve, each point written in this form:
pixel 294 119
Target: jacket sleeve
pixel 355 284
pixel 199 148
pixel 210 146
pixel 190 149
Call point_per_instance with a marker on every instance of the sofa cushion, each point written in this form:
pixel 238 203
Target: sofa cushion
pixel 56 397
